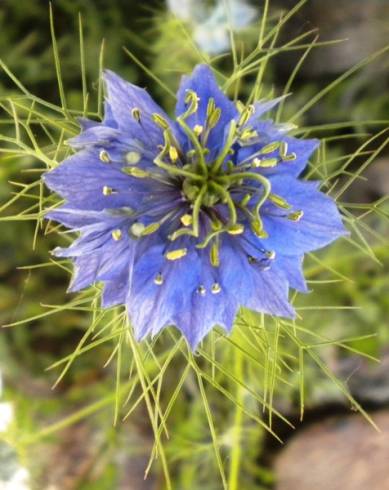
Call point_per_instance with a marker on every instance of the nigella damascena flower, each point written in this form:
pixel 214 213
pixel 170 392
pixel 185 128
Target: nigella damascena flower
pixel 186 220
pixel 212 23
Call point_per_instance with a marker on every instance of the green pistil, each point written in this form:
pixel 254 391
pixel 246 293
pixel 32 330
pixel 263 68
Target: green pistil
pixel 226 197
pixel 196 143
pixel 210 236
pixel 194 231
pixel 252 176
pixel 231 137
pixel 171 168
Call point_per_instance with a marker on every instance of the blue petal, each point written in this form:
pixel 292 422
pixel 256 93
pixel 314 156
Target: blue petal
pixel 177 301
pixel 203 82
pixel 86 123
pixel 263 106
pixel 292 267
pixel 96 135
pixel 115 292
pixel 74 218
pixel 84 272
pixel 122 98
pixel 320 225
pixel 268 133
pixel 145 302
pixel 81 178
pixel 254 287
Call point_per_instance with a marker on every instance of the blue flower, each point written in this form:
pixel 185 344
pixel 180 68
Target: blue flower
pixel 184 220
pixel 212 25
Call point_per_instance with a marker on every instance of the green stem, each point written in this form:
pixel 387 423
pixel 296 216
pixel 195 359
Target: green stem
pixel 236 452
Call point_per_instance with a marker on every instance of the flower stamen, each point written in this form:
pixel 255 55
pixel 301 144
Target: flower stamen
pixel 116 235
pixel 176 254
pixel 158 280
pixel 135 113
pixel 104 156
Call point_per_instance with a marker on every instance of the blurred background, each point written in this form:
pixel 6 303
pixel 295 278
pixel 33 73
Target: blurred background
pixel 82 450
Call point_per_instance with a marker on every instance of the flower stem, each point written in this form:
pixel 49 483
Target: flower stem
pixel 236 451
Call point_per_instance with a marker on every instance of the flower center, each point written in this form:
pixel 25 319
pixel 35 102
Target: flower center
pixel 223 195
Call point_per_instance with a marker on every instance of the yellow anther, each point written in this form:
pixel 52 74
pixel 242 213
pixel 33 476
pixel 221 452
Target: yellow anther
pixel 266 163
pixel 216 288
pixel 279 201
pixel 214 254
pixel 210 106
pixel 136 172
pixel 246 113
pixel 186 219
pixel 283 149
pixel 116 235
pixel 237 229
pixel 160 121
pixel 198 129
pixel 270 147
pixel 104 157
pixel 151 228
pixel 290 157
pixel 214 118
pixel 107 191
pixel 176 254
pixel 173 153
pixel 158 280
pixel 133 157
pixel 248 134
pixel 296 216
pixel 270 254
pixel 135 112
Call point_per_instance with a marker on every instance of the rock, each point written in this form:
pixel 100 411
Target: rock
pixel 80 454
pixel 341 453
